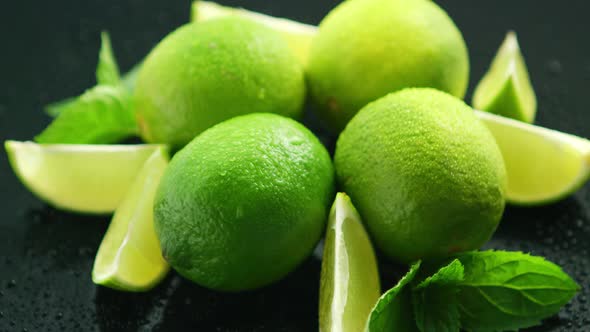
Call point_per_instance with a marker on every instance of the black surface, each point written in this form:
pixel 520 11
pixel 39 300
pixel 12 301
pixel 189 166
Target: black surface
pixel 49 51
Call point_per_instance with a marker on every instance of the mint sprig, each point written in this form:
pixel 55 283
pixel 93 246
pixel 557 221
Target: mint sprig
pixel 102 115
pixel 435 303
pixel 510 290
pixel 480 291
pixel 393 311
pixel 107 71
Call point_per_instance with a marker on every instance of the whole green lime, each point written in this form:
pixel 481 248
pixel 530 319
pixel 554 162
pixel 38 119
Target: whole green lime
pixel 245 202
pixel 205 73
pixel 366 49
pixel 426 176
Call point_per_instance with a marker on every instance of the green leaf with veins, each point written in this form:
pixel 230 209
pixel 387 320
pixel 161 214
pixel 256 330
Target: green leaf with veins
pixel 55 108
pixel 393 311
pixel 102 115
pixel 107 71
pixel 435 300
pixel 510 290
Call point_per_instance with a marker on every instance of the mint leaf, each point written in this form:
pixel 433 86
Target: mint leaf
pixel 107 71
pixel 450 274
pixel 102 115
pixel 393 311
pixel 435 300
pixel 510 290
pixel 54 109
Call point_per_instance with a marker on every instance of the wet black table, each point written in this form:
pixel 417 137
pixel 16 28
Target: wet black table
pixel 49 51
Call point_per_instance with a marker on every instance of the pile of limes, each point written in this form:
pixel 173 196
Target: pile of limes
pixel 247 196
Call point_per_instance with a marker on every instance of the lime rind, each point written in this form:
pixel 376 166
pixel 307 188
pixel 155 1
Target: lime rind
pixel 298 35
pixel 76 177
pixel 543 165
pixel 129 257
pixel 506 88
pixel 349 278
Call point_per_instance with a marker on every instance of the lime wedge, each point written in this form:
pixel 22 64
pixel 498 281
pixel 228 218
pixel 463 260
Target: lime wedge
pixel 298 35
pixel 506 88
pixel 349 279
pixel 82 178
pixel 129 257
pixel 543 165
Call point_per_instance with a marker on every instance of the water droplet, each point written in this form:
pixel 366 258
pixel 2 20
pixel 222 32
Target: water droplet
pixel 554 67
pixel 11 284
pixel 59 316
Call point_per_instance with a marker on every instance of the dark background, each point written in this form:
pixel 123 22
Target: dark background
pixel 48 51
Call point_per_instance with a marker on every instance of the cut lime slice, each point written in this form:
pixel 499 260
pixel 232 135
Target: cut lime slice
pixel 129 257
pixel 349 278
pixel 506 88
pixel 82 178
pixel 543 165
pixel 298 35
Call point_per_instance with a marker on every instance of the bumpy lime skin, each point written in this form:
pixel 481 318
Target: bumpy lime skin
pixel 426 176
pixel 366 49
pixel 205 73
pixel 245 202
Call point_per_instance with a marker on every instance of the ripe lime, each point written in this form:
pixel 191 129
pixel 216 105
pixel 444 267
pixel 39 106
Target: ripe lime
pixel 205 73
pixel 244 203
pixel 425 174
pixel 366 49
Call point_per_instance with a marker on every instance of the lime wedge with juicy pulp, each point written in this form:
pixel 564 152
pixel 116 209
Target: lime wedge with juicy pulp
pixel 349 279
pixel 506 88
pixel 543 165
pixel 82 178
pixel 130 257
pixel 298 35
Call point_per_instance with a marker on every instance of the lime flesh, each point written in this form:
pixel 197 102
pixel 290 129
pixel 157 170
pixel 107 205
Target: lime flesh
pixel 298 35
pixel 82 178
pixel 542 165
pixel 506 88
pixel 129 257
pixel 349 279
